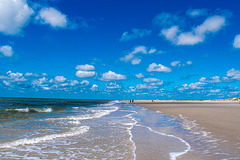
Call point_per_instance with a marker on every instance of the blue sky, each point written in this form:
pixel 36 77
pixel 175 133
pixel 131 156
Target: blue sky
pixel 120 49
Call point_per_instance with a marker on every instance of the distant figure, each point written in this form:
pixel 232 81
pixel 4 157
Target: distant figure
pixel 239 100
pixel 132 101
pixel 152 100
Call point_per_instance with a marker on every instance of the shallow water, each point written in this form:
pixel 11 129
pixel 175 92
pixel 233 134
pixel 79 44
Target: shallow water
pixel 83 129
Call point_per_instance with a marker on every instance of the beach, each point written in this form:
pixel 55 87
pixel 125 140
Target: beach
pixel 99 129
pixel 219 118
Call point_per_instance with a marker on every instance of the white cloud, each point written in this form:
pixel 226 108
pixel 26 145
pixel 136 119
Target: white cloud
pixel 196 12
pixel 179 64
pixel 175 63
pixel 189 38
pixel 167 19
pixel 28 74
pixel 215 79
pixel 85 74
pixel 52 17
pixel 113 86
pixel 153 50
pixel 233 74
pixel 148 80
pixel 6 51
pixel 211 24
pixel 136 33
pixel 42 82
pixel 170 33
pixel 136 61
pixel 196 85
pixel 236 43
pixel 215 91
pixel 108 76
pixel 198 34
pixel 189 62
pixel 73 83
pixel 85 71
pixel 60 79
pixel 132 56
pixel 158 68
pixel 94 87
pixel 145 86
pixel 14 16
pixel 16 77
pixel 85 82
pixel 85 67
pixel 203 79
pixel 157 83
pixel 139 75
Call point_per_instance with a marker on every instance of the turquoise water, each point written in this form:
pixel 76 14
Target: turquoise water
pixel 89 129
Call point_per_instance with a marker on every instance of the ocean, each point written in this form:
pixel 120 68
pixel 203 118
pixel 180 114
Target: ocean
pixel 97 129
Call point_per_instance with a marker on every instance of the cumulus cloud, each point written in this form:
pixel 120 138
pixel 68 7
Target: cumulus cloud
pixel 85 71
pixel 19 81
pixel 73 83
pixel 113 86
pixel 11 80
pixel 94 87
pixel 139 75
pixel 108 76
pixel 198 34
pixel 16 77
pixel 85 82
pixel 60 79
pixel 6 50
pixel 14 16
pixel 133 55
pixel 52 17
pixel 85 74
pixel 145 86
pixel 233 74
pixel 196 12
pixel 236 43
pixel 196 85
pixel 136 33
pixel 215 79
pixel 158 68
pixel 85 67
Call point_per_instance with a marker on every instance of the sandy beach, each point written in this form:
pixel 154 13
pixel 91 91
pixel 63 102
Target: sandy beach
pixel 219 118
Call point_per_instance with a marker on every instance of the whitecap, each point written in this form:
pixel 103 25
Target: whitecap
pixel 73 132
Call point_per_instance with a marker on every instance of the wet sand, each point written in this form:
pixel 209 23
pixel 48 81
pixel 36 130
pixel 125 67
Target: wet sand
pixel 222 119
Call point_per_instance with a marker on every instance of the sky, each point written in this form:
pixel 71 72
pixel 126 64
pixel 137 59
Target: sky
pixel 138 49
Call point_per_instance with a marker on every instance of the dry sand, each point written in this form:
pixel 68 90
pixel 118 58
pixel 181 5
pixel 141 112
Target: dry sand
pixel 222 119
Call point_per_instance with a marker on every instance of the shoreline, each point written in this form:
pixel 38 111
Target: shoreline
pixel 220 118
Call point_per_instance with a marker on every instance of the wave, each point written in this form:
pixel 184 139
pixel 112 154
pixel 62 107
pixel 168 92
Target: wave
pixel 94 113
pixel 30 110
pixel 73 132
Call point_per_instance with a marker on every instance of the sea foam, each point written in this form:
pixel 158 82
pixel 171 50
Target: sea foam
pixel 73 132
pixel 93 114
pixel 26 110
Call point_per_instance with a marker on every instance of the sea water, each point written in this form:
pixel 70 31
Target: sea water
pixel 89 129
